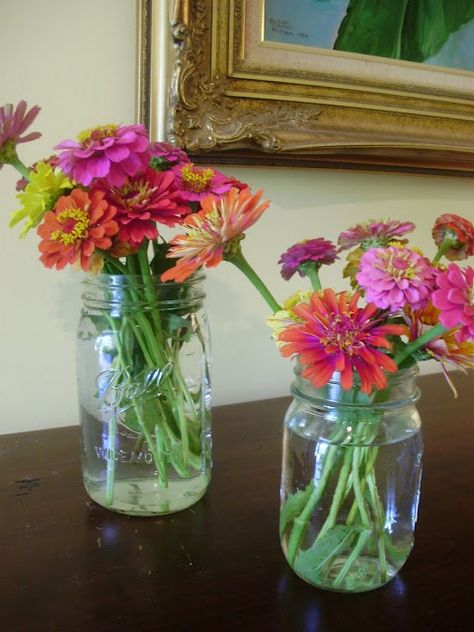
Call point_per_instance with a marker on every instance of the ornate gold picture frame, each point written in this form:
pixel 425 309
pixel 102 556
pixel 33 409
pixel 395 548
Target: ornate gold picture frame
pixel 229 96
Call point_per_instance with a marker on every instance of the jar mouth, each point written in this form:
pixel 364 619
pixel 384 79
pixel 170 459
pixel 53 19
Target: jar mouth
pixel 401 390
pixel 126 280
pixel 133 291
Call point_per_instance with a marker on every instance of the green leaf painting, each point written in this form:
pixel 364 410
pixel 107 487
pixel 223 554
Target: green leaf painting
pixel 407 29
pixel 437 32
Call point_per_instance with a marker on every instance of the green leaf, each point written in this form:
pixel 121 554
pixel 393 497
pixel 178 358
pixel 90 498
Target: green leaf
pixel 403 29
pixel 372 27
pixel 309 563
pixel 294 505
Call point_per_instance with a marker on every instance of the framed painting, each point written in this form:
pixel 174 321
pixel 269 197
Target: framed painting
pixel 362 84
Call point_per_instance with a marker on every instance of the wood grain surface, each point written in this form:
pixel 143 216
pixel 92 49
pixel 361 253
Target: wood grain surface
pixel 69 565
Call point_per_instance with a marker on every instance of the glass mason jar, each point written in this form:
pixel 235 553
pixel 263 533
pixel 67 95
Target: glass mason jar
pixel 144 393
pixel 350 482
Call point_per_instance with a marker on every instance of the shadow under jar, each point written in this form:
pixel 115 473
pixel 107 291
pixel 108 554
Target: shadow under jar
pixel 144 393
pixel 350 482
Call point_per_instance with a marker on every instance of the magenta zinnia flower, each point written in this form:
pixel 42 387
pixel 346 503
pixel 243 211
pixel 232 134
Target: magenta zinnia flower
pixel 395 277
pixel 14 121
pixel 373 233
pixel 169 153
pixel 455 300
pixel 109 151
pixel 143 200
pixel 320 251
pixel 336 335
pixel 195 183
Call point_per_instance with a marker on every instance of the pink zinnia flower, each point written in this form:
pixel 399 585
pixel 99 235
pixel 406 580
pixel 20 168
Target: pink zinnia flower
pixel 213 229
pixel 195 183
pixel 14 121
pixel 455 300
pixel 373 233
pixel 79 224
pixel 336 335
pixel 320 251
pixel 143 200
pixel 459 231
pixel 168 154
pixel 109 151
pixel 395 277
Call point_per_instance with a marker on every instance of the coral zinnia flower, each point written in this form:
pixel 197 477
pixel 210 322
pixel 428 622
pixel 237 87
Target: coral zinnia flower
pixel 78 225
pixel 109 151
pixel 373 233
pixel 455 300
pixel 143 200
pixel 46 185
pixel 14 121
pixel 396 276
pixel 337 335
pixel 212 230
pixel 320 251
pixel 445 349
pixel 195 183
pixel 459 231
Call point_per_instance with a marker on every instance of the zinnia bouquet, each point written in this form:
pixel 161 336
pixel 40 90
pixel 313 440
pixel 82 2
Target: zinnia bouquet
pixel 101 204
pixel 349 498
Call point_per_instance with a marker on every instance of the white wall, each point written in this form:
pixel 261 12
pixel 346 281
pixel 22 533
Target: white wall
pixel 77 60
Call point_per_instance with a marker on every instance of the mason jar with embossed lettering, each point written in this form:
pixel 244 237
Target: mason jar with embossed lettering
pixel 144 393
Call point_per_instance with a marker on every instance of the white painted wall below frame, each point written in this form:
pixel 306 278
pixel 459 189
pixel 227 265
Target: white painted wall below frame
pixel 78 62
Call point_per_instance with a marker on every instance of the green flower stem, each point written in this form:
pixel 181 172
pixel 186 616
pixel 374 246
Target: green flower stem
pixel 445 245
pixel 379 521
pixel 356 551
pixel 110 474
pixel 359 497
pixel 311 270
pixel 300 522
pixel 20 167
pixel 435 332
pixel 165 446
pixel 368 468
pixel 161 466
pixel 149 289
pixel 337 498
pixel 239 261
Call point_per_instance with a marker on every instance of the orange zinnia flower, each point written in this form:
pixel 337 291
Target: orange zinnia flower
pixel 79 224
pixel 212 230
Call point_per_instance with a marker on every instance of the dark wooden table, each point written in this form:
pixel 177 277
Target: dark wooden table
pixel 67 564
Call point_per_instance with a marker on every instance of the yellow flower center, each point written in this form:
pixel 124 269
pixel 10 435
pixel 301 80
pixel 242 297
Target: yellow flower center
pixel 135 194
pixel 196 179
pixel 92 134
pixel 75 223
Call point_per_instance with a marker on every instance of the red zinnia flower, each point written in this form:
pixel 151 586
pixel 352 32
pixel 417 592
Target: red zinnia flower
pixel 143 200
pixel 459 231
pixel 336 335
pixel 78 225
